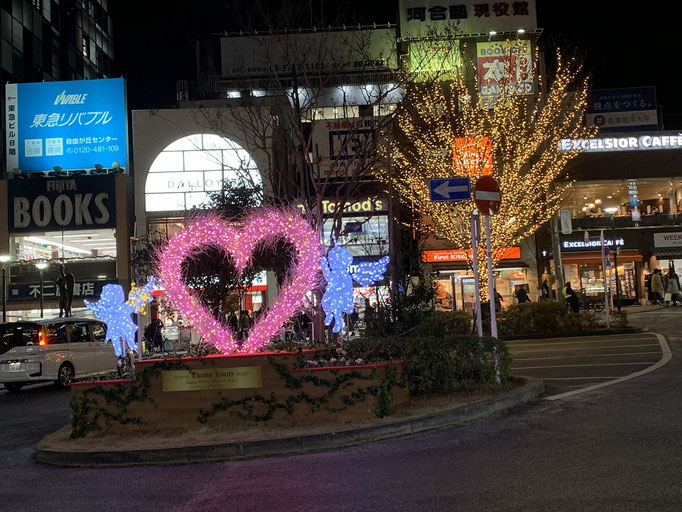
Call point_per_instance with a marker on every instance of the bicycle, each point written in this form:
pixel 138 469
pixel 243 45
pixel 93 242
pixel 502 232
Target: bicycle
pixel 596 303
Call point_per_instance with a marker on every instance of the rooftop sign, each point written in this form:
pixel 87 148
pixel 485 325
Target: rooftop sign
pixel 72 125
pixel 622 143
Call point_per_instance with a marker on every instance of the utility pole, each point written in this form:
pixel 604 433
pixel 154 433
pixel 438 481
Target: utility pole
pixel 556 251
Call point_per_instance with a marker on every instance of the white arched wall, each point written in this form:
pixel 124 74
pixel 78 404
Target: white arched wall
pixel 184 174
pixel 155 130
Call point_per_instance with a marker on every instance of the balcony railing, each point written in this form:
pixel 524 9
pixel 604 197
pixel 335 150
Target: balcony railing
pixel 604 222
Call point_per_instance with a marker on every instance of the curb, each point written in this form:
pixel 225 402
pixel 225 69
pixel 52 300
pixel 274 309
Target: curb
pixel 530 391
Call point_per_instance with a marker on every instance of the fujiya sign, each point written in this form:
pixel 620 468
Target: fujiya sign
pixel 61 204
pixel 606 144
pixel 668 239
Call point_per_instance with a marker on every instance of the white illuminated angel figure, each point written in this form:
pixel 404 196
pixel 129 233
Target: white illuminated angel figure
pixel 113 310
pixel 338 296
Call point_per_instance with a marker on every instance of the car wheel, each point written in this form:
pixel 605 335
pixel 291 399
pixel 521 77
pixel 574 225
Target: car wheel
pixel 13 387
pixel 65 375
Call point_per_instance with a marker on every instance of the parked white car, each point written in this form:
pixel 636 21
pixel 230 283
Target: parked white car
pixel 58 350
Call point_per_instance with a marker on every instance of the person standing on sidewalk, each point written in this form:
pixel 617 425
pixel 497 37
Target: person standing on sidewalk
pixel 657 287
pixel 673 287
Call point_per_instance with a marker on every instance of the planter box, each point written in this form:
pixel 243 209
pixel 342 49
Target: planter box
pixel 233 390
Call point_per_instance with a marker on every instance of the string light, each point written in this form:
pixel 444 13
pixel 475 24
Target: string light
pixel 263 226
pixel 338 295
pixel 113 310
pixel 520 133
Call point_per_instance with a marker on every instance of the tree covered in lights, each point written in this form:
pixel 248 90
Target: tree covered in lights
pixel 443 130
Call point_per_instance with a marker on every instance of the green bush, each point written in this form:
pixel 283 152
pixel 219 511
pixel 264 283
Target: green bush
pixel 438 365
pixel 545 317
pixel 444 323
pixel 620 319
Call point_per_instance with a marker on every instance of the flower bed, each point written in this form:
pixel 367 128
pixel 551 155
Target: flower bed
pixel 232 390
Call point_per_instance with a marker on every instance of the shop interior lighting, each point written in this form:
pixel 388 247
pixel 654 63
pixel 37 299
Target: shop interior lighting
pixel 81 235
pixel 4 258
pixel 41 266
pixel 611 209
pixel 597 201
pixel 43 241
pixel 521 31
pixel 591 205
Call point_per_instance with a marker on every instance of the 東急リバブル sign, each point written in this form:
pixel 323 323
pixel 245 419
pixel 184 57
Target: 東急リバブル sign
pixel 72 125
pixel 61 204
pixel 212 378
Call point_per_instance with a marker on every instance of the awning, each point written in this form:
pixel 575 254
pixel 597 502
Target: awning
pixel 586 258
pixel 667 252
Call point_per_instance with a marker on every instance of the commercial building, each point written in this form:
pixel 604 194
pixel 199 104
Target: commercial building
pixel 68 198
pixel 630 186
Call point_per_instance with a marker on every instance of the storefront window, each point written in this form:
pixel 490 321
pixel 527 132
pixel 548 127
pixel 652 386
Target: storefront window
pixel 588 279
pixel 64 245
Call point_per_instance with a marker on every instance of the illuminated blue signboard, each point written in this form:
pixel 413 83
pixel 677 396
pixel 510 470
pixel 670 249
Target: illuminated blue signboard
pixel 73 125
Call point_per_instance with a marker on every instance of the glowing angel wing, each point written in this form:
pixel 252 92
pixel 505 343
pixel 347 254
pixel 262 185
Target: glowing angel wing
pixel 368 273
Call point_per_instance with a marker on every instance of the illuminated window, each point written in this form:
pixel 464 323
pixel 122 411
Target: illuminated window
pixel 185 172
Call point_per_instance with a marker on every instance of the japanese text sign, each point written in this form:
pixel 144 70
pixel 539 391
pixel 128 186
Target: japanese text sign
pixel 421 18
pixel 505 68
pixel 623 110
pixel 73 125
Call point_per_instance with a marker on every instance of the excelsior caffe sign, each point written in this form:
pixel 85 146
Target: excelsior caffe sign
pixel 624 143
pixel 61 204
pixel 673 239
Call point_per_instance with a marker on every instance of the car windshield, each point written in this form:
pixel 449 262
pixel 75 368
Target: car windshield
pixel 18 335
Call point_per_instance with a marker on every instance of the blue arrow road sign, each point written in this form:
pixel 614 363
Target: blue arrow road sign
pixel 450 189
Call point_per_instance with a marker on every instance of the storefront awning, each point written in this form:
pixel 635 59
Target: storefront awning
pixel 585 258
pixel 667 252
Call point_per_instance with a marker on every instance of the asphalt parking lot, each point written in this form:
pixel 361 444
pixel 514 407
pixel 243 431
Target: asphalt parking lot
pixel 566 364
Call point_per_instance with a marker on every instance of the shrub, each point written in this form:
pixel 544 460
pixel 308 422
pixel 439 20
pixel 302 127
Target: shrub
pixel 437 365
pixel 620 319
pixel 546 317
pixel 444 323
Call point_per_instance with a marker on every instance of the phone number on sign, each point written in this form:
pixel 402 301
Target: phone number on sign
pixel 97 149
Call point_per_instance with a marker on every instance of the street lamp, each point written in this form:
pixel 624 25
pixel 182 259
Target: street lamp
pixel 611 210
pixel 41 266
pixel 4 258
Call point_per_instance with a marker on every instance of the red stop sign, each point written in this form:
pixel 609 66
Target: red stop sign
pixel 487 195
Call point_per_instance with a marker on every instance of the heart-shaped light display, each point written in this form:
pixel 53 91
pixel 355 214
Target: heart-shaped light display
pixel 240 241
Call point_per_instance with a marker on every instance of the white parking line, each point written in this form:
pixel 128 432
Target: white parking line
pixel 590 355
pixel 578 378
pixel 569 342
pixel 665 358
pixel 587 348
pixel 578 365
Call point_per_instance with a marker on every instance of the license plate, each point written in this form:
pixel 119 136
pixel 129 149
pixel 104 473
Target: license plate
pixel 15 367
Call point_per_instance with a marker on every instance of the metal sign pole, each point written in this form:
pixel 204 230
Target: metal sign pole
pixel 491 295
pixel 475 227
pixel 606 282
pixel 491 285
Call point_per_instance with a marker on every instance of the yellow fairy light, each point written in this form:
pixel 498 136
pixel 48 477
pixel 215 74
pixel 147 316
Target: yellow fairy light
pixel 519 134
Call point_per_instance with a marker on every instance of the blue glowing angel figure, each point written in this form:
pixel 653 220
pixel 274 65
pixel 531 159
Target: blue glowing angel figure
pixel 115 311
pixel 338 296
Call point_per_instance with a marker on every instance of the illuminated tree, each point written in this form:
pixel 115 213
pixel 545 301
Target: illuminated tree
pixel 443 130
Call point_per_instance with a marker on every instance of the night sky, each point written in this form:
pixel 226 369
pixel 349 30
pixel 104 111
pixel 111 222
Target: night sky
pixel 624 43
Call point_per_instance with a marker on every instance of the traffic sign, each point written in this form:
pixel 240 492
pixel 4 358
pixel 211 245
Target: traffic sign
pixel 487 195
pixel 450 189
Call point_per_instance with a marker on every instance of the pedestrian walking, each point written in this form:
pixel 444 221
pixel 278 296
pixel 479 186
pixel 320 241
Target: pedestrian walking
pixel 673 287
pixel 657 287
pixel 522 295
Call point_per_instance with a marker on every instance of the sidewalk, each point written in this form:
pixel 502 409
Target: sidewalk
pixel 636 308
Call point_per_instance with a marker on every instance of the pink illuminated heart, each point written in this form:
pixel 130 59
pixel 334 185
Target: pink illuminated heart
pixel 240 242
